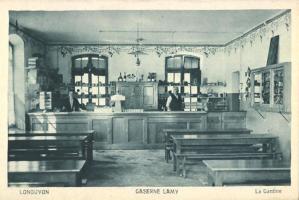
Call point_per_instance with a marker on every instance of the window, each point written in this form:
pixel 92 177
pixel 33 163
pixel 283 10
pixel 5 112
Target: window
pixel 90 77
pixel 184 72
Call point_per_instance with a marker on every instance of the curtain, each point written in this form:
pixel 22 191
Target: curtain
pixel 273 51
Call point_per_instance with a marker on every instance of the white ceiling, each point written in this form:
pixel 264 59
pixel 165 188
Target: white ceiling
pixel 156 27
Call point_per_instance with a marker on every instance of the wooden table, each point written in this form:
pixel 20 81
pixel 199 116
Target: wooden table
pixel 267 140
pixel 242 171
pixel 169 143
pixel 47 142
pixel 68 172
pixel 222 146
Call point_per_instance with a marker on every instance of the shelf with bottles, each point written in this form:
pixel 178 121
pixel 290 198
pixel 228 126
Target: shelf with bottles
pixel 131 77
pixel 278 86
pixel 275 87
pixel 266 87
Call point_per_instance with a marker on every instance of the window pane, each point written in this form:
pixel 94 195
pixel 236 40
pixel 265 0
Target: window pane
pixel 102 101
pixel 195 63
pixel 187 99
pixel 177 78
pixel 174 63
pixel 84 61
pixel 85 78
pixel 78 63
pixel 102 63
pixel 187 77
pixel 193 89
pixel 170 77
pixel 94 80
pixel 187 63
pixel 78 90
pixel 95 62
pixel 177 62
pixel 102 90
pixel 77 80
pixel 169 63
pixel 85 90
pixel 95 90
pixel 85 101
pixel 187 89
pixel 95 101
pixel 102 79
pixel 193 99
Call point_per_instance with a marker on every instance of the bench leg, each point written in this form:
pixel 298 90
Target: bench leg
pixel 210 180
pixel 166 158
pixel 184 167
pixel 174 162
pixel 178 169
pixel 169 154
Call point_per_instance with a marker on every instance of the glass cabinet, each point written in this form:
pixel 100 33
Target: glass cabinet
pixel 271 87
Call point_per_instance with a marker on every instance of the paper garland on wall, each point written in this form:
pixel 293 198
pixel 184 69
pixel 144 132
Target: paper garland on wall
pixel 267 29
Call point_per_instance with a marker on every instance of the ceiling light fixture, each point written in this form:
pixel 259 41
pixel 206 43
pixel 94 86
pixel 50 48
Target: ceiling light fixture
pixel 138 49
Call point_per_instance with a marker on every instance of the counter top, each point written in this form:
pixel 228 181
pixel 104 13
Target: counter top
pixel 116 113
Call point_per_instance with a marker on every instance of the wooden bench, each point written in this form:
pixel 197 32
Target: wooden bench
pixel 45 146
pixel 237 146
pixel 48 172
pixel 269 172
pixel 169 143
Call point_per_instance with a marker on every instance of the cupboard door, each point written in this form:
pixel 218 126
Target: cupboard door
pixel 139 95
pixel 136 100
pixel 148 96
pixel 133 94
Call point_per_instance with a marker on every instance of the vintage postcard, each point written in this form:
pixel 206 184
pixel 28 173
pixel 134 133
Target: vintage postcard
pixel 149 99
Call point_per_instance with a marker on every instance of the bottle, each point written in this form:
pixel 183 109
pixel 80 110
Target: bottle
pixel 125 77
pixel 148 78
pixel 120 78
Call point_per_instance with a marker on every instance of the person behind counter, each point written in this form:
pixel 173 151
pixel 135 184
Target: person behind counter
pixel 174 101
pixel 71 103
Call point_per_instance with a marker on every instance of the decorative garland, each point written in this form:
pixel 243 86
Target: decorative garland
pixel 269 28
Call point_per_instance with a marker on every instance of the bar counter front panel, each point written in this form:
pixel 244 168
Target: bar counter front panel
pixel 128 130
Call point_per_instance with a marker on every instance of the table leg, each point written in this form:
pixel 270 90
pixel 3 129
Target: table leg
pixel 218 179
pixel 89 151
pixel 184 167
pixel 178 165
pixel 174 162
pixel 167 152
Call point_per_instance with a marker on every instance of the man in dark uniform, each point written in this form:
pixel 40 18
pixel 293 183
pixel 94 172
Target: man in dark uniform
pixel 71 103
pixel 174 101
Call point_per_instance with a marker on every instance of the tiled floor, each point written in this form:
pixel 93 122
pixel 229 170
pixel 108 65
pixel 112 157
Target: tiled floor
pixel 140 168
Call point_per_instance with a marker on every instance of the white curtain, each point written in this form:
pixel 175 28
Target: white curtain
pixel 11 101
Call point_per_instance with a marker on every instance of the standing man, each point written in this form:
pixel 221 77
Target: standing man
pixel 71 103
pixel 174 101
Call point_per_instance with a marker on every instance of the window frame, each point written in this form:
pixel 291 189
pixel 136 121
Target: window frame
pixel 190 97
pixel 182 70
pixel 88 70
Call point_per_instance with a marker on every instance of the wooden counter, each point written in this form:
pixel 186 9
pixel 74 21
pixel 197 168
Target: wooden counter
pixel 134 130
